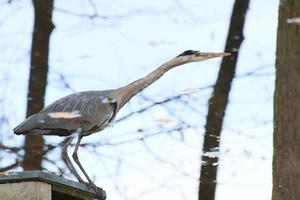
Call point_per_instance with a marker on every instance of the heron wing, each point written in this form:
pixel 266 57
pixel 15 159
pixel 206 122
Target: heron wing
pixel 77 112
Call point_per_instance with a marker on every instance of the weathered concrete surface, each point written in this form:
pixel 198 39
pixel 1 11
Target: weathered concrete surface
pixel 14 185
pixel 32 190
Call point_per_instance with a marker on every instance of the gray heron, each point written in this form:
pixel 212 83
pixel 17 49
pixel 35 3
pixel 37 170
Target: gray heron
pixel 89 112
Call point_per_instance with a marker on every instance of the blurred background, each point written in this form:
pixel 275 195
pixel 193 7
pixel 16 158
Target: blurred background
pixel 173 131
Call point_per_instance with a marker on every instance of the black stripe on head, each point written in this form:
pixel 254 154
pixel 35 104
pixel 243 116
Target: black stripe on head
pixel 187 53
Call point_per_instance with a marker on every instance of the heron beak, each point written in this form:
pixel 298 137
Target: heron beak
pixel 214 55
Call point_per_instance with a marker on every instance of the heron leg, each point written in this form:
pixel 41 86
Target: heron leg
pixel 75 157
pixel 67 160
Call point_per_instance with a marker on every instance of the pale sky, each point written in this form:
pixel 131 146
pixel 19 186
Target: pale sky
pixel 138 37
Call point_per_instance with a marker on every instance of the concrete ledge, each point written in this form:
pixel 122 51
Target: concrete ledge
pixel 38 185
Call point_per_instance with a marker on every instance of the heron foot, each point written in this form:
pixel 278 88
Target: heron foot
pixel 81 181
pixel 92 186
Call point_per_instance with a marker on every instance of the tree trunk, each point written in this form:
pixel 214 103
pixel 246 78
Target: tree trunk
pixel 218 102
pixel 38 78
pixel 286 158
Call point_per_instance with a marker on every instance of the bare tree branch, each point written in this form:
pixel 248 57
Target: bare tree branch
pixel 9 167
pixel 169 99
pixel 219 100
pixel 95 15
pixel 43 27
pixel 11 149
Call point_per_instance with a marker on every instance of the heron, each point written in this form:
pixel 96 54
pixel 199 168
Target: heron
pixel 84 113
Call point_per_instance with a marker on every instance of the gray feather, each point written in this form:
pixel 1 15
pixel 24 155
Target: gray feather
pixel 92 109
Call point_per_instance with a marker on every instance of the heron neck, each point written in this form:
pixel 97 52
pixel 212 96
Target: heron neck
pixel 128 91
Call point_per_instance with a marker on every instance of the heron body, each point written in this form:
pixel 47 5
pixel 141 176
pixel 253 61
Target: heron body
pixel 84 112
pixel 89 112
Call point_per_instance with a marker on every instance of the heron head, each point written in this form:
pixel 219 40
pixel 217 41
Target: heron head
pixel 196 56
